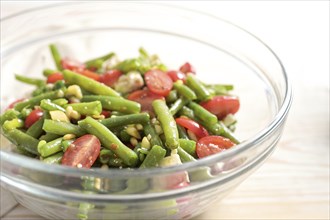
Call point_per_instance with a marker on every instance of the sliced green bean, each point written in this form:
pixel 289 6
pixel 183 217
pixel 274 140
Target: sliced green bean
pixel 49 137
pixel 48 105
pixel 189 146
pixel 61 102
pixel 56 56
pixel 109 140
pixel 182 133
pixel 184 90
pixel 112 122
pixel 105 155
pixel 31 81
pixel 36 129
pixel 168 123
pixel 9 115
pixel 48 72
pixel 62 128
pixel 203 114
pixel 54 159
pixel 200 90
pixel 66 143
pixel 155 155
pixel 37 99
pixel 115 103
pixel 97 62
pixel 172 96
pixel 177 105
pixel 184 156
pixel 23 140
pixel 50 148
pixel 87 108
pixel 88 84
pixel 13 123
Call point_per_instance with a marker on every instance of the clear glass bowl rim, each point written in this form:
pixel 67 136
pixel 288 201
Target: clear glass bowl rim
pixel 247 144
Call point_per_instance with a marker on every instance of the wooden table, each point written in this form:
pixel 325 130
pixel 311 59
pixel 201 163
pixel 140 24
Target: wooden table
pixel 294 182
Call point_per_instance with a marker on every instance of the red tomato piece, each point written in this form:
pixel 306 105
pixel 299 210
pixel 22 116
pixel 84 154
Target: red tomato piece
pixel 176 75
pixel 158 82
pixel 187 68
pixel 12 105
pixel 83 152
pixel 211 145
pixel 109 78
pixel 222 105
pixel 193 126
pixel 33 117
pixel 145 98
pixel 53 78
pixel 71 64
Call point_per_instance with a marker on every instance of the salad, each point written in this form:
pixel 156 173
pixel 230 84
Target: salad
pixel 134 113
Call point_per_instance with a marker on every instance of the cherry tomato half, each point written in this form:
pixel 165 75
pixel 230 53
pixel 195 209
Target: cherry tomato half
pixel 145 98
pixel 71 64
pixel 53 78
pixel 106 114
pixel 176 75
pixel 187 68
pixel 83 152
pixel 193 126
pixel 158 82
pixel 222 105
pixel 110 78
pixel 33 117
pixel 211 145
pixel 12 105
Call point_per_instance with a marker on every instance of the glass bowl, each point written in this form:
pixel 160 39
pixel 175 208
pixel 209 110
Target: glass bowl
pixel 220 51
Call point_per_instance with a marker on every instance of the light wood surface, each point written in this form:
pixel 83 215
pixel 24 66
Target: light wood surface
pixel 294 182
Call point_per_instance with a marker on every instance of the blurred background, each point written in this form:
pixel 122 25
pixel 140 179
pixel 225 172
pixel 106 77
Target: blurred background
pixel 294 182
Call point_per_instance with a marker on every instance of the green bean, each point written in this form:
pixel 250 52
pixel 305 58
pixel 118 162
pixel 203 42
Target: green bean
pixel 61 102
pixel 112 122
pixel 109 140
pixel 87 108
pixel 88 84
pixel 149 131
pixel 182 133
pixel 172 96
pixel 23 140
pixel 36 129
pixel 168 123
pixel 105 155
pixel 177 105
pixel 97 62
pixel 189 146
pixel 155 155
pixel 54 159
pixel 124 136
pixel 66 143
pixel 31 81
pixel 56 56
pixel 37 99
pixel 218 89
pixel 62 128
pixel 13 123
pixel 193 83
pixel 184 156
pixel 50 148
pixel 9 115
pixel 203 114
pixel 116 162
pixel 215 129
pixel 49 137
pixel 48 72
pixel 48 105
pixel 115 103
pixel 184 90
